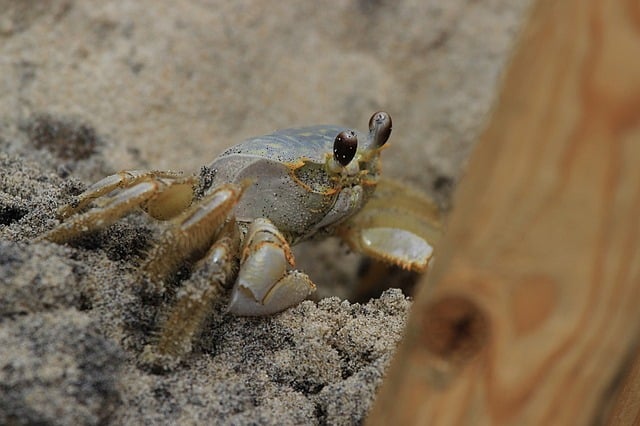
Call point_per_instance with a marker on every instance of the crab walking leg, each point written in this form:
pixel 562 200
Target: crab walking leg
pixel 265 285
pixel 192 233
pixel 100 217
pixel 194 300
pixel 161 198
pixel 121 180
pixel 398 225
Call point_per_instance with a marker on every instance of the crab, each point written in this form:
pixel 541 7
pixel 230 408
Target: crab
pixel 263 196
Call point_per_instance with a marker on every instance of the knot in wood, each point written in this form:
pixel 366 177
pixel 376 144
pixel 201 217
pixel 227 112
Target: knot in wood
pixel 454 328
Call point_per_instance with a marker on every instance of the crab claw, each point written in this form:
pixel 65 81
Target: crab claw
pixel 394 245
pixel 398 225
pixel 265 283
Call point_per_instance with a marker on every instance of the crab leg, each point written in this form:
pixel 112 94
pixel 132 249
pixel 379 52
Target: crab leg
pixel 120 180
pixel 103 216
pixel 193 303
pixel 265 283
pixel 192 233
pixel 160 196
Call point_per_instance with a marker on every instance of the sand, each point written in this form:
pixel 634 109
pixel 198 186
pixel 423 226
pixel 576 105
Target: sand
pixel 89 88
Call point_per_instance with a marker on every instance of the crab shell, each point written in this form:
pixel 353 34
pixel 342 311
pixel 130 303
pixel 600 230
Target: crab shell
pixel 295 180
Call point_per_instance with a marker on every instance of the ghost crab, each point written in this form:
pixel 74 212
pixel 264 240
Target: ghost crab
pixel 267 194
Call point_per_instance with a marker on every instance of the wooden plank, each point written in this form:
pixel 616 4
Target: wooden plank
pixel 531 314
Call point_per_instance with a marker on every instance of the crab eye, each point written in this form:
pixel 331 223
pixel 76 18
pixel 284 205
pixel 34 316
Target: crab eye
pixel 345 146
pixel 380 128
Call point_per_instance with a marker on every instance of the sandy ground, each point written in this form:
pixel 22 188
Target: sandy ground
pixel 89 88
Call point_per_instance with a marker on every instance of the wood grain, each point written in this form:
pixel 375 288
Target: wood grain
pixel 531 314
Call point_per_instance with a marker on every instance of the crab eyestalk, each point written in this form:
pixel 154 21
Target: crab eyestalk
pixel 379 128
